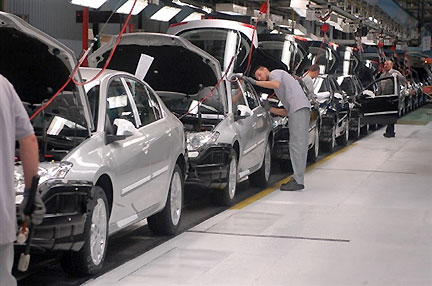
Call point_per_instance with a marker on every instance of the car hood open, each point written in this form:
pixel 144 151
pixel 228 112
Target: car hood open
pixel 178 65
pixel 35 63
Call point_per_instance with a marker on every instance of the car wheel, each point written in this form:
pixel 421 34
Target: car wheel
pixel 89 260
pixel 343 139
pixel 167 221
pixel 261 177
pixel 355 134
pixel 285 165
pixel 314 151
pixel 225 196
pixel 364 130
pixel 328 146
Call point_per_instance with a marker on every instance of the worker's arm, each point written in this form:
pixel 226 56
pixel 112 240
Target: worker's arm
pixel 29 155
pixel 279 111
pixel 272 84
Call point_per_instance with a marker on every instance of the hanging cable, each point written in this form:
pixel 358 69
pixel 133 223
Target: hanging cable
pixel 83 57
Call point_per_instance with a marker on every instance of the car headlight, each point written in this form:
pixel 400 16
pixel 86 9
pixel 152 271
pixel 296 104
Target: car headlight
pixel 57 170
pixel 199 139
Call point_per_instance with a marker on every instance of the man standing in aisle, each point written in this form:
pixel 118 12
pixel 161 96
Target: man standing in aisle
pixel 389 71
pixel 297 108
pixel 14 125
pixel 308 78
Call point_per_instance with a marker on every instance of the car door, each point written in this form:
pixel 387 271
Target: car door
pixel 381 97
pixel 244 128
pixel 126 157
pixel 260 124
pixel 156 134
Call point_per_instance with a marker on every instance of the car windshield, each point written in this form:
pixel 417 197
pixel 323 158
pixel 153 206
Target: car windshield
pixel 61 125
pixel 220 43
pixel 206 98
pixel 286 51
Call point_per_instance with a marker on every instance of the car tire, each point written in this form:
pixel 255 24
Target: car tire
pixel 89 260
pixel 313 153
pixel 355 134
pixel 167 221
pixel 364 130
pixel 343 139
pixel 328 146
pixel 225 196
pixel 261 177
pixel 285 165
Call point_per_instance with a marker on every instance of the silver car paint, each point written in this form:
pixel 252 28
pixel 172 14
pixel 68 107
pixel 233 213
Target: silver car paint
pixel 251 133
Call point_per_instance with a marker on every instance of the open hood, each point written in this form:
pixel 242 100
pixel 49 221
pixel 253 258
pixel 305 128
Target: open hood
pixel 36 64
pixel 178 66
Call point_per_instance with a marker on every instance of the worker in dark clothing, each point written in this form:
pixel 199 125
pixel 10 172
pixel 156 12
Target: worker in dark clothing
pixel 389 71
pixel 297 108
pixel 15 125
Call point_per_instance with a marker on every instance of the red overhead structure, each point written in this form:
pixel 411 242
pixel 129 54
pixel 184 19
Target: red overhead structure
pixel 85 33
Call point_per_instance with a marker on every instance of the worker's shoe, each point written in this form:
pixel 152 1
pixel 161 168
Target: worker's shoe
pixel 292 186
pixel 389 135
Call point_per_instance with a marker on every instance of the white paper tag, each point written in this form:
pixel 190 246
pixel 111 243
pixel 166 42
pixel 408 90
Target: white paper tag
pixel 143 66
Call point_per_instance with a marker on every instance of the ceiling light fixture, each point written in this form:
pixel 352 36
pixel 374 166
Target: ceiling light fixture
pixel 165 14
pixel 126 6
pixel 95 4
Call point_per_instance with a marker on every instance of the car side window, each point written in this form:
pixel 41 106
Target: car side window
pixel 93 98
pixel 118 104
pixel 154 103
pixel 142 100
pixel 251 96
pixel 237 95
pixel 348 86
pixel 384 86
pixel 324 86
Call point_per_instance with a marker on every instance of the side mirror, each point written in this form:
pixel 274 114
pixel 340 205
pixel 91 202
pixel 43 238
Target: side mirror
pixel 122 129
pixel 244 110
pixel 369 93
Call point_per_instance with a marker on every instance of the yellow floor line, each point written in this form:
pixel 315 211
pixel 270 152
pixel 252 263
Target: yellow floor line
pixel 411 122
pixel 277 185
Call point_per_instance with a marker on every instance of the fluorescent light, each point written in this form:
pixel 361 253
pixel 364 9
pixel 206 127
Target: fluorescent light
pixel 299 6
pixel 193 16
pixel 126 7
pixel 206 9
pixel 231 9
pixel 166 13
pixel 95 4
pixel 178 2
pixel 298 32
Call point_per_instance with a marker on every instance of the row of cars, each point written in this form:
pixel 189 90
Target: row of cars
pixel 119 149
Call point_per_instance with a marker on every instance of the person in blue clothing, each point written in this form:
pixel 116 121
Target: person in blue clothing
pixel 297 108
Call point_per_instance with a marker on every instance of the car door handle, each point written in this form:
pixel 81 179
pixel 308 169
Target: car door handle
pixel 144 147
pixel 260 114
pixel 168 131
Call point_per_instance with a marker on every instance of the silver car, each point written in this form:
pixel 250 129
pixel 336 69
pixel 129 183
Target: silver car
pixel 111 152
pixel 229 134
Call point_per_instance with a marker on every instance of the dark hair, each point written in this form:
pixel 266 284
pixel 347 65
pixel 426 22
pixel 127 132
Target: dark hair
pixel 257 68
pixel 313 68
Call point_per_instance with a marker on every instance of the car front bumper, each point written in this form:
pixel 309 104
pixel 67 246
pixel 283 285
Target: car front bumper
pixel 67 205
pixel 210 167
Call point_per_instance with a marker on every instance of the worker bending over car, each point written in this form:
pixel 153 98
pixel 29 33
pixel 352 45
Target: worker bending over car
pixel 297 108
